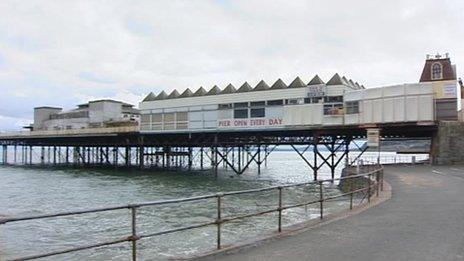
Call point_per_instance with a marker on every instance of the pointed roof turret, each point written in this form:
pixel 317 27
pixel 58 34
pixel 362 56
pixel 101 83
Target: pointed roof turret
pixel 161 96
pixel 335 80
pixel 150 97
pixel 186 93
pixel 316 80
pixel 297 83
pixel 215 90
pixel 279 84
pixel 200 92
pixel 229 89
pixel 245 87
pixel 174 94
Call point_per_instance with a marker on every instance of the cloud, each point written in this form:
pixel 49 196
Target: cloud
pixel 62 53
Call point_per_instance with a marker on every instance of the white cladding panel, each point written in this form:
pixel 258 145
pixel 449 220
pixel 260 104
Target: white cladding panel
pixel 392 91
pixel 426 108
pixel 274 112
pixel 353 96
pixel 352 119
pixel 333 120
pixel 195 116
pixel 307 114
pixel 337 90
pixel 398 109
pixel 373 93
pixel 412 107
pixel 388 110
pixel 418 88
pixel 367 111
pixel 377 110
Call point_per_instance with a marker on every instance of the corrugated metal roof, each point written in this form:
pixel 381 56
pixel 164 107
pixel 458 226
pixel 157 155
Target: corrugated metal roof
pixel 161 96
pixel 279 84
pixel 316 80
pixel 174 94
pixel 245 87
pixel 229 89
pixel 297 83
pixel 261 86
pixel 186 93
pixel 150 97
pixel 200 92
pixel 335 80
pixel 215 90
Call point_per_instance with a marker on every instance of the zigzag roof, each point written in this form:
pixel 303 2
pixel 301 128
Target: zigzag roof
pixel 279 84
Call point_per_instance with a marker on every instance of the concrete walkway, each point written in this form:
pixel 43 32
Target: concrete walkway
pixel 424 220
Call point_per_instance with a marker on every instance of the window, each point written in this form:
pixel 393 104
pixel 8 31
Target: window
pixel 307 100
pixel 333 109
pixel 257 113
pixel 437 72
pixel 240 113
pixel 225 106
pixel 292 101
pixel 240 104
pixel 316 99
pixel 257 104
pixel 275 102
pixel 333 99
pixel 352 107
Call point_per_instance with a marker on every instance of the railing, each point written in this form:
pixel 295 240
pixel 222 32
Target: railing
pixel 371 183
pixel 392 159
pixel 107 130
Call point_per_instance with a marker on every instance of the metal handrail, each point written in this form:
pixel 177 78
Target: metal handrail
pixel 376 184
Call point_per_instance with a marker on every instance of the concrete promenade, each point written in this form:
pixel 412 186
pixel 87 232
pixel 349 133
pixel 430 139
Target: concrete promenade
pixel 424 220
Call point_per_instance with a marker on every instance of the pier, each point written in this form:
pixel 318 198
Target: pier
pixel 231 150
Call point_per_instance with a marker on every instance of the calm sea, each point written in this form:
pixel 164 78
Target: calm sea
pixel 33 191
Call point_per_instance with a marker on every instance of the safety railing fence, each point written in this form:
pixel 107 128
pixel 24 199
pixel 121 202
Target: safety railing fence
pixel 366 180
pixel 392 159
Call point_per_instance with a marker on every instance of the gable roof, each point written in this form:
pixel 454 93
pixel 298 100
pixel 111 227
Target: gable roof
pixel 279 84
pixel 200 92
pixel 335 80
pixel 297 83
pixel 161 96
pixel 229 89
pixel 214 90
pixel 316 80
pixel 186 93
pixel 173 94
pixel 245 87
pixel 150 97
pixel 261 86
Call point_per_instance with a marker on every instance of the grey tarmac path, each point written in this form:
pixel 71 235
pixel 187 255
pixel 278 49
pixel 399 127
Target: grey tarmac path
pixel 424 220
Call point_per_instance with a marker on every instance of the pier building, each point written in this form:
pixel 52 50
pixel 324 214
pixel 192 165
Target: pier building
pixel 94 114
pixel 235 127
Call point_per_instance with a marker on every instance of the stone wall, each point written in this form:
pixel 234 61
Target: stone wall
pixel 448 143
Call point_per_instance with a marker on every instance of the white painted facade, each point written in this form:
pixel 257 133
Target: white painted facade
pixel 95 114
pixel 337 105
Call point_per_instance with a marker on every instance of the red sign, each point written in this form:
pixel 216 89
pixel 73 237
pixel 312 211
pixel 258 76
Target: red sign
pixel 234 123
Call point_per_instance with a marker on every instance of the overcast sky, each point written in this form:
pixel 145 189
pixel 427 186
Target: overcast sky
pixel 60 53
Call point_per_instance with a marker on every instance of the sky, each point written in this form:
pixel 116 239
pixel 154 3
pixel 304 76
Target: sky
pixel 62 53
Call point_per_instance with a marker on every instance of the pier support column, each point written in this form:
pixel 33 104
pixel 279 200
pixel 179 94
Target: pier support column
pixel 5 154
pixel 141 153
